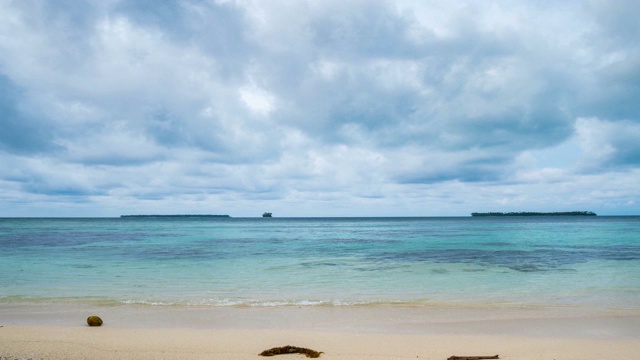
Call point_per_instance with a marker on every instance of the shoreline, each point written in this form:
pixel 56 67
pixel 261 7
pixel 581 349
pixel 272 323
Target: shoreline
pixel 59 331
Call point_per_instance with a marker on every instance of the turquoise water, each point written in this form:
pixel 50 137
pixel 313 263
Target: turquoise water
pixel 529 262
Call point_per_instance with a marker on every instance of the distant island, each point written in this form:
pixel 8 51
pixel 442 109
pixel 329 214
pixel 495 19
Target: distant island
pixel 175 216
pixel 527 213
pixel 267 214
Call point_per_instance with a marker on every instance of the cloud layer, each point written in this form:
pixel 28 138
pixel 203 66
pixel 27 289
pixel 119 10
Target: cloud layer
pixel 311 108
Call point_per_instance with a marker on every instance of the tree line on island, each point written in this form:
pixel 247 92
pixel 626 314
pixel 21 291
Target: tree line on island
pixel 530 213
pixel 175 216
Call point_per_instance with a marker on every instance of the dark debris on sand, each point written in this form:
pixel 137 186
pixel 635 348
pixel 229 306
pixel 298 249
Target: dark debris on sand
pixel 291 350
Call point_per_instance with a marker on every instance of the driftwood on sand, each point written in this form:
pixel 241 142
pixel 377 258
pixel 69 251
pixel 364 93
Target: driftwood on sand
pixel 291 350
pixel 472 357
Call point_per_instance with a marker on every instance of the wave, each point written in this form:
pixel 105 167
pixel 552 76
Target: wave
pixel 272 303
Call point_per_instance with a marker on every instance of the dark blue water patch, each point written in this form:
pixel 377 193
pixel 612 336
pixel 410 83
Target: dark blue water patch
pixel 172 253
pixel 603 252
pixel 535 260
pixel 318 264
pixel 439 271
pixel 176 254
pixel 496 243
pixel 378 267
pixel 366 241
pixel 298 240
pixel 68 239
pixel 528 268
pixel 83 266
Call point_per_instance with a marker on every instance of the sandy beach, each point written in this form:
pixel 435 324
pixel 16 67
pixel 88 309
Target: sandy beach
pixel 59 332
pixel 55 342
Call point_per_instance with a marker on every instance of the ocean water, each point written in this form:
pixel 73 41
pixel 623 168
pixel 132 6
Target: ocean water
pixel 463 262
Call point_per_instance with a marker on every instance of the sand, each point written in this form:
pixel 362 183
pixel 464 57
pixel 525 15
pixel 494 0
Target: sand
pixel 59 332
pixel 54 342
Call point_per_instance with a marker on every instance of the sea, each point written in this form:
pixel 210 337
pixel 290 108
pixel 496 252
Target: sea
pixel 572 262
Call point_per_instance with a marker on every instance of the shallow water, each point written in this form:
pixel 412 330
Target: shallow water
pixel 464 263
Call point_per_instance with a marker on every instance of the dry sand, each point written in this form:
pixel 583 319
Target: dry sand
pixel 53 342
pixel 175 333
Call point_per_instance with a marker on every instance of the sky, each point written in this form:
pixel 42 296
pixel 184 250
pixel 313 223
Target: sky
pixel 318 108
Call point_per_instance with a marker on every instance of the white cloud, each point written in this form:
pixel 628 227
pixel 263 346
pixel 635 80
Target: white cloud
pixel 609 145
pixel 320 108
pixel 257 100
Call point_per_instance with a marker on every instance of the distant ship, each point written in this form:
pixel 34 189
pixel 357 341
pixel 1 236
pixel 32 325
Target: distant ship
pixel 266 215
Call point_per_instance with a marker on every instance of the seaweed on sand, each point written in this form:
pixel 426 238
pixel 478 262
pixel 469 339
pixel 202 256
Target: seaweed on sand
pixel 291 350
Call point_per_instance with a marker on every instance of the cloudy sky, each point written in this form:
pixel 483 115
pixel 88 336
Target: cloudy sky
pixel 318 108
